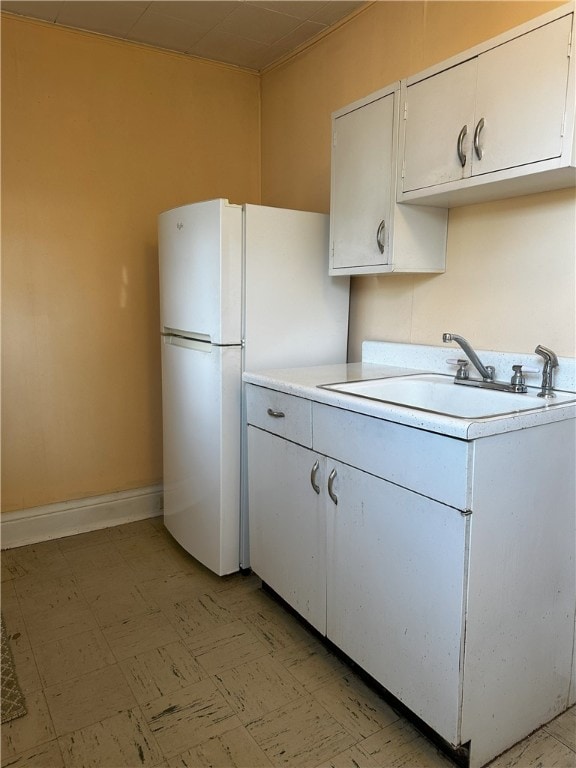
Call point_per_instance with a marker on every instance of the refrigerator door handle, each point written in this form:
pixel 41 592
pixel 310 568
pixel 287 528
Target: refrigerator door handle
pixel 182 341
pixel 166 331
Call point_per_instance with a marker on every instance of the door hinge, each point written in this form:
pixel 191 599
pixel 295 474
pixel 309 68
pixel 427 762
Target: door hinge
pixel 570 45
pixel 405 109
pixel 334 139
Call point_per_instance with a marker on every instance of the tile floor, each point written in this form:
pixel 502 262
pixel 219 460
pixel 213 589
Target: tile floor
pixel 132 654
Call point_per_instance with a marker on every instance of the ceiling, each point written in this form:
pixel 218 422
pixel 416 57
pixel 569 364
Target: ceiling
pixel 246 33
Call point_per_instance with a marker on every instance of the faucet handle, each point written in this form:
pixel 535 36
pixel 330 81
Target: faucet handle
pixel 518 381
pixel 462 372
pixel 525 368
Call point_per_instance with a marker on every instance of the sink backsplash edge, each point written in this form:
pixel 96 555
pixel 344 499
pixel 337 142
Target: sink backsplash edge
pixel 433 358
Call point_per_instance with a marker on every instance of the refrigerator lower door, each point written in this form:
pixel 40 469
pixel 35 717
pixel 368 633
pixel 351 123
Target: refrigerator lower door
pixel 201 402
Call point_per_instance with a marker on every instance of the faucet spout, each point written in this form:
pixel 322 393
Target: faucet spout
pixel 486 371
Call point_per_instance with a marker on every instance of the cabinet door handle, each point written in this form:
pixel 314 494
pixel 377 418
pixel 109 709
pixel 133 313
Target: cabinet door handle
pixel 477 132
pixel 460 150
pixel 331 478
pixel 276 414
pixel 313 474
pixel 380 236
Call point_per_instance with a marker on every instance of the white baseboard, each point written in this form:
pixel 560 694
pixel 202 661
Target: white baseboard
pixel 67 518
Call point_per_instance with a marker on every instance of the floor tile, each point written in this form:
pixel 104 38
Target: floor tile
pixel 162 670
pixel 161 562
pixel 93 559
pixel 112 603
pixel 11 568
pixel 81 540
pixel 125 638
pixel 197 614
pixel 119 573
pixel 352 758
pixel 258 687
pixel 225 646
pixel 188 717
pixel 27 732
pixel 139 634
pixel 85 700
pixel 26 670
pixel 311 664
pixel 62 621
pixel 176 587
pixel 150 527
pixel 400 745
pixel 276 628
pixel 39 594
pixel 234 749
pixel 157 522
pixel 564 728
pixel 15 625
pixel 44 559
pixel 361 711
pixel 244 597
pixel 300 734
pixel 72 657
pixel 45 755
pixel 541 750
pixel 121 741
pixel 141 545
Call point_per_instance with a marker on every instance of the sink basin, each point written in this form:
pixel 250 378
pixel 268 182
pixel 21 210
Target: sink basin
pixel 438 394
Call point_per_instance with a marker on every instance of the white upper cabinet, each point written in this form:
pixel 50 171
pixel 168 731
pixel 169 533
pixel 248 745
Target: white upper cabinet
pixel 362 146
pixel 441 110
pixel 369 232
pixel 521 95
pixel 495 122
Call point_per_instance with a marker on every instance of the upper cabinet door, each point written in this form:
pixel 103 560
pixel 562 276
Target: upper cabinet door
pixel 439 124
pixel 494 122
pixel 521 96
pixel 362 185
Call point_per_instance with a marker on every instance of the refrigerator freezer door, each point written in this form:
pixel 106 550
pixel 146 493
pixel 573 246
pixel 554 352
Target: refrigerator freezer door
pixel 201 393
pixel 200 256
pixel 295 313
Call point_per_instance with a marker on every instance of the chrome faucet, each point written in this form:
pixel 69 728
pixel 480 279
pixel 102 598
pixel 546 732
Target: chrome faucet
pixel 486 371
pixel 550 362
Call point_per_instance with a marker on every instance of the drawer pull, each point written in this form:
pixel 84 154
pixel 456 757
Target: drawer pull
pixel 276 414
pixel 313 474
pixel 331 478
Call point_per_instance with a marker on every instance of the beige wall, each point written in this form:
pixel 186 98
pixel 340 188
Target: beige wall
pixel 510 280
pixel 98 137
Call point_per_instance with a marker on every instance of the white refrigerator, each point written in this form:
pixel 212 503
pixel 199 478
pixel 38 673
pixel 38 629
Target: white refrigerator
pixel 242 287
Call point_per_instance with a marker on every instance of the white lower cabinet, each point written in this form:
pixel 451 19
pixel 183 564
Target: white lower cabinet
pixel 362 571
pixel 395 591
pixel 288 524
pixel 443 567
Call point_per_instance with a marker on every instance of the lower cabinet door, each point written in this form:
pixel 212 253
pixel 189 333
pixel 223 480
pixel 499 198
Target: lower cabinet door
pixel 395 585
pixel 288 522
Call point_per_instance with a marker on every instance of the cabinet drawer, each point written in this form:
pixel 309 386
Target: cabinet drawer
pixel 433 465
pixel 284 415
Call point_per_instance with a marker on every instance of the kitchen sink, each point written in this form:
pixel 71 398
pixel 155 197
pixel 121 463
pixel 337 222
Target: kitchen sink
pixel 437 393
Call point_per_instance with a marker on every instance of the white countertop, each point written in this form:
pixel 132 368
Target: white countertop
pixel 304 382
